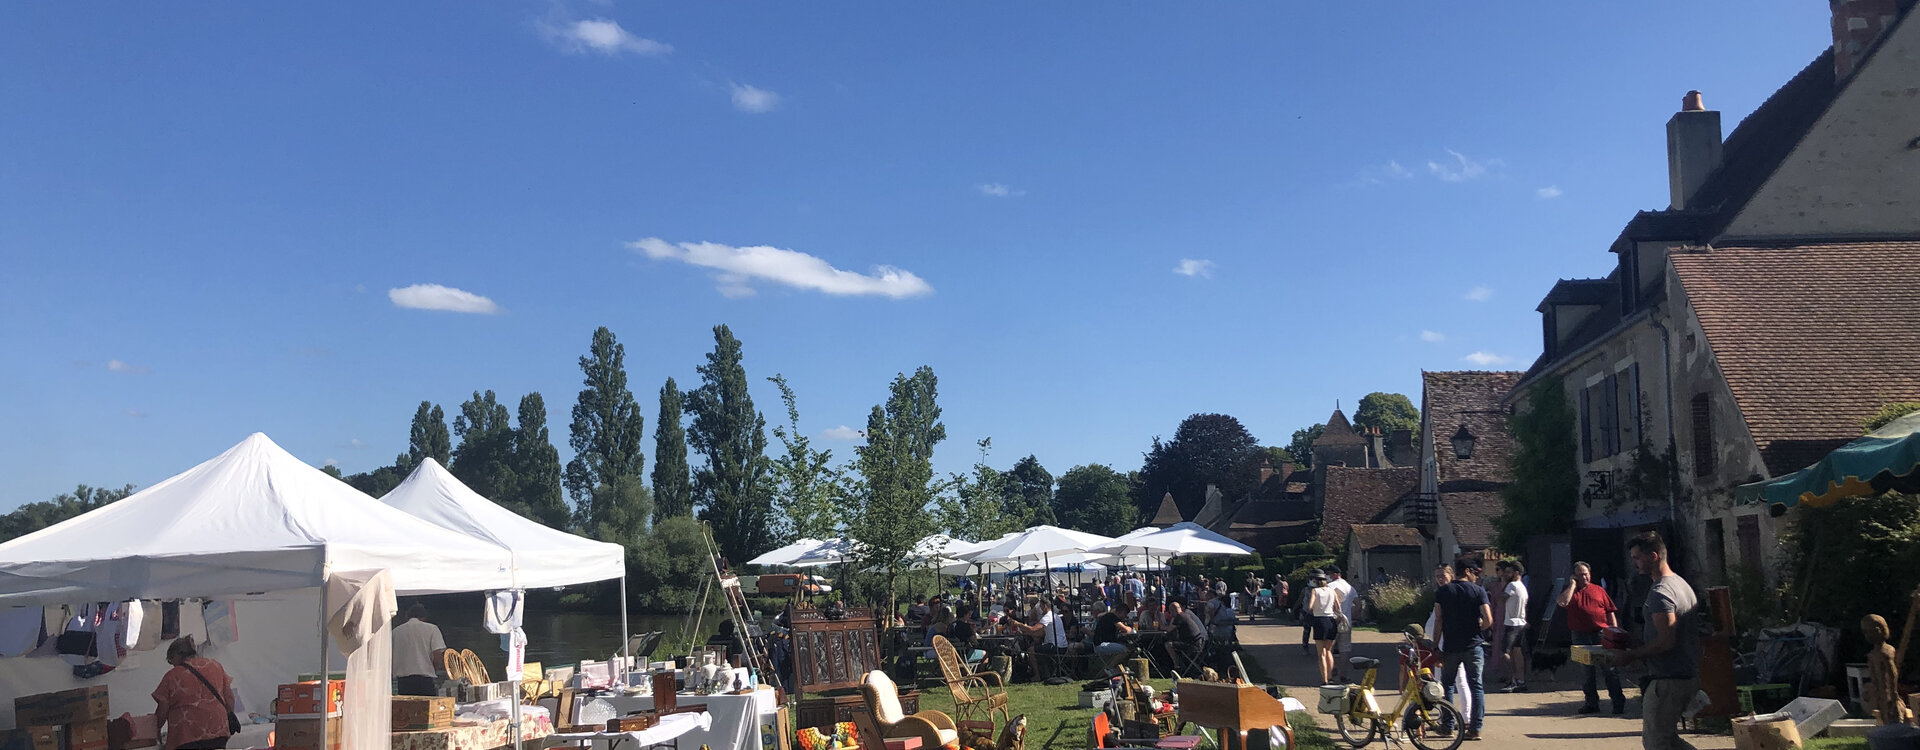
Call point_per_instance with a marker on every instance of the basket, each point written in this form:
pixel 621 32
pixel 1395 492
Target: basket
pixel 1334 699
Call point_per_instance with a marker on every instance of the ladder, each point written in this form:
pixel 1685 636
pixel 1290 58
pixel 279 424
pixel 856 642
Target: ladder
pixel 745 627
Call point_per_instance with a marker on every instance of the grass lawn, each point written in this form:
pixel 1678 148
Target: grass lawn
pixel 1055 720
pixel 1836 743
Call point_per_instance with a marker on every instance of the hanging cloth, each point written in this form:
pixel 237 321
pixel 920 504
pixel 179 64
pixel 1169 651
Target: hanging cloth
pixel 170 620
pixel 223 623
pixel 361 607
pixel 193 621
pixel 21 630
pixel 151 620
pixel 505 611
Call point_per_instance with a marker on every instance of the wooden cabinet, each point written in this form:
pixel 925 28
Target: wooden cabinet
pixel 833 653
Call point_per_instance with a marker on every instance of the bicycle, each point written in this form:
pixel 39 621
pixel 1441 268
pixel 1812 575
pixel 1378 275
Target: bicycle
pixel 1421 714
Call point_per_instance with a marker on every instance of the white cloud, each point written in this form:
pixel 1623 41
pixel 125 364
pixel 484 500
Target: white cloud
pixel 603 36
pixel 1195 268
pixel 1549 192
pixel 136 414
pixel 999 190
pixel 739 266
pixel 334 462
pixel 355 444
pixel 1480 293
pixel 1460 169
pixel 1485 358
pixel 437 297
pixel 1432 337
pixel 754 99
pixel 844 432
pixel 127 369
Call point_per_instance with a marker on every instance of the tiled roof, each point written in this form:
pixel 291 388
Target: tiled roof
pixel 1451 399
pixel 1339 432
pixel 1376 535
pixel 1471 514
pixel 1169 513
pixel 1355 495
pixel 1264 538
pixel 1578 292
pixel 1811 338
pixel 1763 140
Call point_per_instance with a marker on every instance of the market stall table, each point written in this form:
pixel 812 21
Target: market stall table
pixel 736 718
pixel 670 730
pixel 484 736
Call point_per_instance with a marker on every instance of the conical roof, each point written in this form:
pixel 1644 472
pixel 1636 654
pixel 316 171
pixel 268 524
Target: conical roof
pixel 1169 513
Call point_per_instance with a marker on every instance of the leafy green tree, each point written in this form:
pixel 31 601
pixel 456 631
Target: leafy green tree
pixel 895 482
pixel 672 485
pixel 604 478
pixel 427 438
pixel 971 507
pixel 1889 413
pixel 32 517
pixel 1387 411
pixel 332 471
pixel 1277 455
pixel 379 481
pixel 1206 449
pixel 1302 445
pixel 665 571
pixel 1096 499
pixel 1546 474
pixel 807 486
pixel 1029 493
pixel 484 460
pixel 537 465
pixel 733 489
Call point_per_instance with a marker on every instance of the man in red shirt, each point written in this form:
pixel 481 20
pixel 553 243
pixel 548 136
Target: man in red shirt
pixel 1589 609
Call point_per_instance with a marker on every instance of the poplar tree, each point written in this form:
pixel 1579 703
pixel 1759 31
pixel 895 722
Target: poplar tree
pixel 732 489
pixel 672 489
pixel 427 438
pixel 605 476
pixel 484 459
pixel 895 486
pixel 537 463
pixel 808 487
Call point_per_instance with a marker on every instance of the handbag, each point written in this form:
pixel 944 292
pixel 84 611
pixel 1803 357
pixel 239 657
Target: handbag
pixel 233 722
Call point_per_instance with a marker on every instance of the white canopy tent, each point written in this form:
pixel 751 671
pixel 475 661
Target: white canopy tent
pixel 541 557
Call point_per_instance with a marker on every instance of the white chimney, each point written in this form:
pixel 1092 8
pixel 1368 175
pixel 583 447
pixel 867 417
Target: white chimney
pixel 1693 148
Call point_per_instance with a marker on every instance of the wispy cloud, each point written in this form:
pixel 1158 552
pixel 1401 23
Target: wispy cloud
pixel 754 99
pixel 600 35
pixel 1383 173
pixel 1549 192
pixel 843 432
pixel 1485 358
pixel 354 444
pixel 1195 267
pixel 1480 293
pixel 1459 168
pixel 1432 337
pixel 999 190
pixel 127 369
pixel 740 266
pixel 333 462
pixel 437 297
pixel 136 414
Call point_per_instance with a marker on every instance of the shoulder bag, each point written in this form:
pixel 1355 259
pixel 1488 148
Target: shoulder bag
pixel 233 722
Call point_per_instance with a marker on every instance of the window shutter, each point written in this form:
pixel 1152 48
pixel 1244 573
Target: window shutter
pixel 1633 404
pixel 1703 454
pixel 1586 425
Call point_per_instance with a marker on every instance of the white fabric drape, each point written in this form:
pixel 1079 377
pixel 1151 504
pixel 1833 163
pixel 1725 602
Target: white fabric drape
pixel 361 606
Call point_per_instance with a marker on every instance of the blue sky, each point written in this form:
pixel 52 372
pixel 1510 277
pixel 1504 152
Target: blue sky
pixel 206 210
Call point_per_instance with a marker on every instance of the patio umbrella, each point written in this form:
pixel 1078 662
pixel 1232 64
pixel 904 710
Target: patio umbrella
pixel 830 552
pixel 1040 542
pixel 786 555
pixel 1178 540
pixel 1121 551
pixel 1884 459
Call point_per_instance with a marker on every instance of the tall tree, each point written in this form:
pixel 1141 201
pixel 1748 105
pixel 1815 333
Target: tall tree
pixel 971 507
pixel 1545 489
pixel 537 464
pixel 807 485
pixel 427 438
pixel 895 483
pixel 484 460
pixel 1302 445
pixel 32 517
pixel 604 478
pixel 1387 411
pixel 1206 449
pixel 1096 499
pixel 733 490
pixel 1030 493
pixel 672 485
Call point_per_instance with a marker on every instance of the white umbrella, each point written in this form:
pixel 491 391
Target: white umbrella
pixel 829 552
pixel 1040 542
pixel 786 555
pixel 1184 538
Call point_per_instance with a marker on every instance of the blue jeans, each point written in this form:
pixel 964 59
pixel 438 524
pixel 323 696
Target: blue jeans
pixel 1474 661
pixel 1110 649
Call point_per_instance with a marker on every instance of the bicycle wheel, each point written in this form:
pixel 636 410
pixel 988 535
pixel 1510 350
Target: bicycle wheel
pixel 1423 725
pixel 1350 729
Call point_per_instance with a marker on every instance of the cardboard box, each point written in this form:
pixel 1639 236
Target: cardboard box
pixel 87 735
pixel 1595 655
pixel 1769 732
pixel 47 738
pixel 64 707
pixel 302 699
pixel 777 731
pixel 305 733
pixel 412 713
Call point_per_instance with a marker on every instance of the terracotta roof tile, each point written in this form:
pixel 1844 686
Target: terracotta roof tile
pixel 1355 495
pixel 1376 535
pixel 1471 514
pixel 1339 432
pixel 1811 338
pixel 1169 513
pixel 1451 399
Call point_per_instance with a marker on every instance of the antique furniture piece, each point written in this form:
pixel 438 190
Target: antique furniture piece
pixel 976 695
pixel 935 729
pixel 1233 709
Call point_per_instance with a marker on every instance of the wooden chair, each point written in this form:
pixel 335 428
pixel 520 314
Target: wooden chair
pixel 1104 736
pixel 976 695
pixel 455 665
pixel 936 730
pixel 476 670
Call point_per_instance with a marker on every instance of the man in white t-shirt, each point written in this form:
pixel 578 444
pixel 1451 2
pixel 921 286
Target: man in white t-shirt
pixel 1343 638
pixel 1515 617
pixel 1049 634
pixel 417 646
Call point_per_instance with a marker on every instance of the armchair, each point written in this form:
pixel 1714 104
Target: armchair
pixel 976 695
pixel 936 730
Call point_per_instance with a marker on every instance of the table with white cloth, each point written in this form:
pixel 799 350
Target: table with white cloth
pixel 670 729
pixel 465 735
pixel 736 718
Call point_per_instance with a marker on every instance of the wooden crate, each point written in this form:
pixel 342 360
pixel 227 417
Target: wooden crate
pixel 61 708
pixel 305 733
pixel 415 713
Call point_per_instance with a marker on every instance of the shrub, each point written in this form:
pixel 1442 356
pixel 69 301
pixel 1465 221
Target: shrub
pixel 1398 603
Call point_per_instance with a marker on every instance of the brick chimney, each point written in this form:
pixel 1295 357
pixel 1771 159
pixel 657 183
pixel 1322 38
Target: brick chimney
pixel 1266 470
pixel 1856 24
pixel 1693 148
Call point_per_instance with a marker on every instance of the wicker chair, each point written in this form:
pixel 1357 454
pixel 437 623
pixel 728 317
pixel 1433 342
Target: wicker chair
pixel 936 730
pixel 976 695
pixel 455 666
pixel 476 671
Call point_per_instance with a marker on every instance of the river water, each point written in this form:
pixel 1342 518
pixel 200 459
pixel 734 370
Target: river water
pixel 564 637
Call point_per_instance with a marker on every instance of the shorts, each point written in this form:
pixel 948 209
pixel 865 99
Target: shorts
pixel 1323 628
pixel 1515 637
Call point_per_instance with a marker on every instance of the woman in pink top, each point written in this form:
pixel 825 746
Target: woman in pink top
pixel 193 713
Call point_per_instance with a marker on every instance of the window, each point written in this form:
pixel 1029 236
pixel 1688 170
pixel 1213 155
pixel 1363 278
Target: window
pixel 1716 549
pixel 1604 415
pixel 1749 534
pixel 1703 455
pixel 1629 382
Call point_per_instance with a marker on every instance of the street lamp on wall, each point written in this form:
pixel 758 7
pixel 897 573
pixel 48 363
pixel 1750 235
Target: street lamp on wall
pixel 1463 443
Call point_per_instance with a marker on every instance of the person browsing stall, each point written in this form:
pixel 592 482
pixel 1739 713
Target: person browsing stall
pixel 417 647
pixel 1672 653
pixel 194 700
pixel 1589 611
pixel 1463 611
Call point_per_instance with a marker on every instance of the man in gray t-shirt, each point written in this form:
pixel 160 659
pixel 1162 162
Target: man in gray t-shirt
pixel 1672 650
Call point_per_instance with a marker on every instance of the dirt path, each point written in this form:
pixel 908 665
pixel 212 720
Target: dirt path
pixel 1536 720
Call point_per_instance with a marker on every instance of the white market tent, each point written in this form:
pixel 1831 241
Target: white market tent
pixel 541 557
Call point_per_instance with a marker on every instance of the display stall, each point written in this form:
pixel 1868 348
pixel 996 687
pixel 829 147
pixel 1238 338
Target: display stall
pixel 736 719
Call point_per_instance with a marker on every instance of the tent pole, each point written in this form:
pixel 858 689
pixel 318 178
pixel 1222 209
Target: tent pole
pixel 626 635
pixel 325 683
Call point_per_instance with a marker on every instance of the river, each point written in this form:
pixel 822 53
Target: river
pixel 563 637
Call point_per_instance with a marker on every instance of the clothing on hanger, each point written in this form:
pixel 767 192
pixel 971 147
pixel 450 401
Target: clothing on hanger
pixel 148 636
pixel 21 630
pixel 193 620
pixel 223 623
pixel 505 610
pixel 170 620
